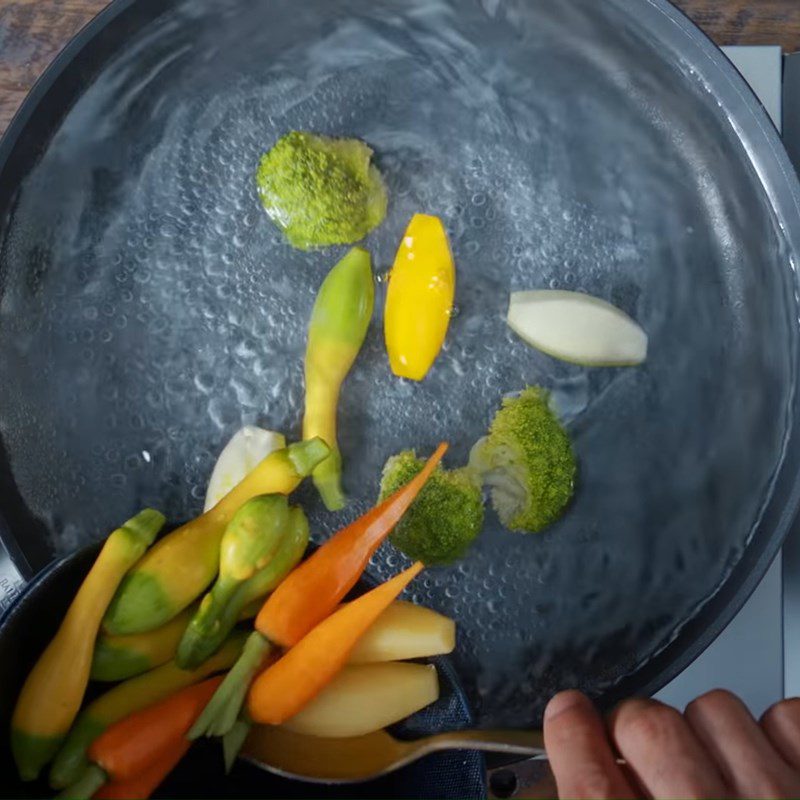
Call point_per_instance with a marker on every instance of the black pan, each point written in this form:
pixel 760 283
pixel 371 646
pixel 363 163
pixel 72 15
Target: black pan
pixel 148 309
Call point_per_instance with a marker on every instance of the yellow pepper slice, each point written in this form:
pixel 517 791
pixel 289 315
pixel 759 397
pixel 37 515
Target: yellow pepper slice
pixel 419 299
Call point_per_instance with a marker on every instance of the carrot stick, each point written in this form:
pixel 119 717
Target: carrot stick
pixel 313 590
pixel 285 688
pixel 131 745
pixel 146 782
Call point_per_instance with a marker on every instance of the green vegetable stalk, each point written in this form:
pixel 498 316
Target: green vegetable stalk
pixel 446 516
pixel 337 329
pixel 222 606
pixel 124 699
pixel 222 712
pixel 117 658
pixel 182 565
pixel 528 462
pixel 233 741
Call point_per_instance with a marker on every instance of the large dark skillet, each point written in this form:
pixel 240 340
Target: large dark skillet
pixel 147 309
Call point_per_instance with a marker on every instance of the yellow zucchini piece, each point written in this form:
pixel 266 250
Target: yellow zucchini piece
pixel 117 658
pixel 54 688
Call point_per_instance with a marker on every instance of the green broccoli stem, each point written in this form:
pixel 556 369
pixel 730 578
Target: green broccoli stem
pixel 222 711
pixel 90 780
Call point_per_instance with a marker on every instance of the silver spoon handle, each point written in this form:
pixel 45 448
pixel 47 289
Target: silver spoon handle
pixel 522 743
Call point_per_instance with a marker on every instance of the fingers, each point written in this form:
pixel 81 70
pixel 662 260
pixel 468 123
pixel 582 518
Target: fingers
pixel 580 755
pixel 715 749
pixel 663 752
pixel 781 725
pixel 751 766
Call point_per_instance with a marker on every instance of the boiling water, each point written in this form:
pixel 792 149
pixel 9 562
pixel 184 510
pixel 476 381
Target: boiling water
pixel 149 308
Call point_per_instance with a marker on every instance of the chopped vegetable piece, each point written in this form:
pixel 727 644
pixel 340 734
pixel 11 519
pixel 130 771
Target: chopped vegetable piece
pixel 577 327
pixel 243 453
pixel 419 300
pixel 307 596
pixel 446 517
pixel 405 631
pixel 338 325
pixel 365 698
pixel 119 657
pixel 136 742
pixel 216 617
pixel 292 682
pixel 528 462
pixel 54 689
pixel 184 562
pixel 321 191
pixel 315 588
pixel 148 780
pixel 132 695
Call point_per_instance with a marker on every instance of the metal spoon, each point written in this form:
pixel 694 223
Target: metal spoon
pixel 363 758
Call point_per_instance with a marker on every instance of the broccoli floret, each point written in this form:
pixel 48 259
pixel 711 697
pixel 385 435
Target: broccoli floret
pixel 446 516
pixel 527 461
pixel 321 191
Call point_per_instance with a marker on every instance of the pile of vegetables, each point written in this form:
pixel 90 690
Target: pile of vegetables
pixel 311 663
pixel 170 625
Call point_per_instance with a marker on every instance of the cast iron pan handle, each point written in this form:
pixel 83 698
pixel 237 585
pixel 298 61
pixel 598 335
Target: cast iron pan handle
pixel 14 569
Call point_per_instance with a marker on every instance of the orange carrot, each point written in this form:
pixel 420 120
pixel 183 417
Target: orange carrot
pixel 313 590
pixel 285 688
pixel 130 746
pixel 146 782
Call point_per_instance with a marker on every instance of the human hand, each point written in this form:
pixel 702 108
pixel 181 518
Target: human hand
pixel 714 749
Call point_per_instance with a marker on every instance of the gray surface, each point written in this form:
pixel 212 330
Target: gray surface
pixel 747 658
pixel 791 550
pixel 149 307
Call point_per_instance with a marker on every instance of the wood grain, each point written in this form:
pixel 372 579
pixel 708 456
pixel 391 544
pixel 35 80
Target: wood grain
pixel 33 31
pixel 747 21
pixel 31 34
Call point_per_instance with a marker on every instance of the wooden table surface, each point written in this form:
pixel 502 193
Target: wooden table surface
pixel 33 31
